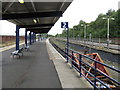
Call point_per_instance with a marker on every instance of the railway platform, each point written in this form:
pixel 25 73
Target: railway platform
pixel 40 67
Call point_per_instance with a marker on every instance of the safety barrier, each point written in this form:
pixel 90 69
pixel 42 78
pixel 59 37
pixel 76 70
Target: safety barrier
pixel 95 72
pixel 80 64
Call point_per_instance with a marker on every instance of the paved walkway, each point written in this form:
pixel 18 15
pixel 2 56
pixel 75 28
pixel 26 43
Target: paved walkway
pixel 40 67
pixel 33 70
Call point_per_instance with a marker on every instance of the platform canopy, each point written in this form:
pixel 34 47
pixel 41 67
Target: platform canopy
pixel 37 16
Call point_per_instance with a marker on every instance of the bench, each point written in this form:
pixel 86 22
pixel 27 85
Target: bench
pixel 26 48
pixel 17 52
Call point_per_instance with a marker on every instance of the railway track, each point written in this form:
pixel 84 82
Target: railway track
pixel 108 58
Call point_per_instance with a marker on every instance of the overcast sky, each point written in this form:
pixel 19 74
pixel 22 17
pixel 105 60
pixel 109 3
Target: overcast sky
pixel 86 10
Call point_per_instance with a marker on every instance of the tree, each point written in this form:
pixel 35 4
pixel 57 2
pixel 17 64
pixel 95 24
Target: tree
pixel 98 28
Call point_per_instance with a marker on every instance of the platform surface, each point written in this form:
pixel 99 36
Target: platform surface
pixel 41 67
pixel 68 76
pixel 33 70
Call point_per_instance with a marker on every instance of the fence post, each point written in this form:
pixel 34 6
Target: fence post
pixel 67 43
pixel 80 63
pixel 95 66
pixel 66 54
pixel 72 59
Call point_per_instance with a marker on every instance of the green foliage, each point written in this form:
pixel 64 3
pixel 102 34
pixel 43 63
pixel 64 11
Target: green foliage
pixel 97 28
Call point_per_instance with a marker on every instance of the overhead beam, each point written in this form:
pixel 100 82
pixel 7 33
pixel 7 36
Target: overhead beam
pixel 33 5
pixel 59 10
pixel 31 15
pixel 41 31
pixel 36 25
pixel 38 29
pixel 8 6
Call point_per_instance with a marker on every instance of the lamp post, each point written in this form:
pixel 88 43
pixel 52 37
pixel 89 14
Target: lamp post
pixel 85 29
pixel 108 29
pixel 75 28
pixel 90 39
pixel 78 37
pixel 79 34
pixel 73 32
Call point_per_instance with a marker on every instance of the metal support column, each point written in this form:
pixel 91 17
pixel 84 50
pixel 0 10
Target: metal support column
pixel 26 37
pixel 38 37
pixel 65 26
pixel 35 37
pixel 108 27
pixel 30 38
pixel 67 43
pixel 17 37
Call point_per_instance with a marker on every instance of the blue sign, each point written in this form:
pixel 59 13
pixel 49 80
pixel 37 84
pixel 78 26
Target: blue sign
pixel 64 24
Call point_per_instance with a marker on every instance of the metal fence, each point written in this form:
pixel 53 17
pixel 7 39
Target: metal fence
pixel 69 54
pixel 71 59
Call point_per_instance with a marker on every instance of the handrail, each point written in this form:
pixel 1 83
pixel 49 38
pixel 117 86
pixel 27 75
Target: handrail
pixel 97 61
pixel 90 74
pixel 71 59
pixel 95 69
pixel 98 71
